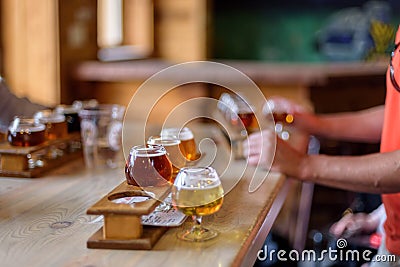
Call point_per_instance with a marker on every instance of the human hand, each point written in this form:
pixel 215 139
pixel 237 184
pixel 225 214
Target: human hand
pixel 284 105
pixel 354 224
pixel 263 148
pixel 300 116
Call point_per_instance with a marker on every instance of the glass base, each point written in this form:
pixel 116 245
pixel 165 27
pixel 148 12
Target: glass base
pixel 197 234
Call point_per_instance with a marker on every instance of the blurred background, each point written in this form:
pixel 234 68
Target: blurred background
pixel 330 55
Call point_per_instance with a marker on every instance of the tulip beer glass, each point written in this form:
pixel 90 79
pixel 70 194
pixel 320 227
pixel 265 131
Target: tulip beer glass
pixel 25 132
pixel 56 126
pixel 148 166
pixel 174 154
pixel 197 192
pixel 188 144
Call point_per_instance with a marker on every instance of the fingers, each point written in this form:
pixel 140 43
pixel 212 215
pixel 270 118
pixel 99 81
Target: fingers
pixel 259 149
pixel 338 228
pixel 349 225
pixel 281 104
pixel 258 143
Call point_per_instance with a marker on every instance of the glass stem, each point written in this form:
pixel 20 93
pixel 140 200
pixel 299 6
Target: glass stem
pixel 197 224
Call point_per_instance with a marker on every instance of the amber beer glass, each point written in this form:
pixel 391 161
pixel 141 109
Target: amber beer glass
pixel 25 132
pixel 280 116
pixel 248 118
pixel 148 166
pixel 237 110
pixel 56 126
pixel 174 154
pixel 188 144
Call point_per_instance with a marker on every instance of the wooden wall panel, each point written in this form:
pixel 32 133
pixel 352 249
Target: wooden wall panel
pixel 30 49
pixel 77 40
pixel 181 29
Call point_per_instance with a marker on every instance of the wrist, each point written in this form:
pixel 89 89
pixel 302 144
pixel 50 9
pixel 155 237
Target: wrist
pixel 305 170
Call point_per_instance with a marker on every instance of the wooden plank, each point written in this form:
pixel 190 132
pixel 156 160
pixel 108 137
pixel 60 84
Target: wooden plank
pixel 15 160
pixel 106 206
pixel 146 242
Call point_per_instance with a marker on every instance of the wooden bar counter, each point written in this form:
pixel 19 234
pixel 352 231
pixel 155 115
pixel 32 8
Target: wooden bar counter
pixel 43 221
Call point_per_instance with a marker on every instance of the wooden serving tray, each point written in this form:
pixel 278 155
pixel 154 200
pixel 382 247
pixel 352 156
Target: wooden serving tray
pixel 31 162
pixel 122 227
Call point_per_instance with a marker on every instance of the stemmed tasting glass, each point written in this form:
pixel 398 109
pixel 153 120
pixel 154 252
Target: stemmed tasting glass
pixel 174 154
pixel 188 144
pixel 197 192
pixel 148 166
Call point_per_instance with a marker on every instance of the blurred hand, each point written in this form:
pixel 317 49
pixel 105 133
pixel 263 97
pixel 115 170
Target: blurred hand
pixel 304 118
pixel 354 224
pixel 284 105
pixel 265 147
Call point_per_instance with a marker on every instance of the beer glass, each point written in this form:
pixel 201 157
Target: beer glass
pixel 101 132
pixel 188 144
pixel 279 115
pixel 174 154
pixel 71 117
pixel 236 110
pixel 56 126
pixel 25 132
pixel 281 119
pixel 148 166
pixel 246 116
pixel 197 192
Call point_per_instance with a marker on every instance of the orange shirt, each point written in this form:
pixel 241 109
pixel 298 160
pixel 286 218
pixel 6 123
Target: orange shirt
pixel 390 142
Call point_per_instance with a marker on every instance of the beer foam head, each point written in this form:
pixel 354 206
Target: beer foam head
pixel 148 151
pixel 183 134
pixel 166 140
pixel 195 178
pixel 20 124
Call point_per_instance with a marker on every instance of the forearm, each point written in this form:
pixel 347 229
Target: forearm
pixel 373 173
pixel 363 126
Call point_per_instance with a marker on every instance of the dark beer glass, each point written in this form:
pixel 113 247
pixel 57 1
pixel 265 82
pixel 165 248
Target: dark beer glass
pixel 172 146
pixel 26 132
pixel 148 166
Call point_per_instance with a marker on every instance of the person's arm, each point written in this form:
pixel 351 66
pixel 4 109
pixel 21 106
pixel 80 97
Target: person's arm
pixel 373 173
pixel 11 105
pixel 365 125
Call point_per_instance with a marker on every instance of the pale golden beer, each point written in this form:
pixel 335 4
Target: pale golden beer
pixel 174 154
pixel 188 144
pixel 199 202
pixel 197 192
